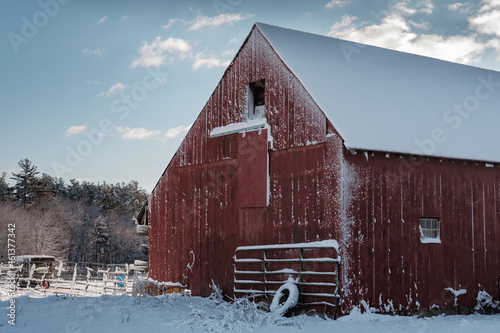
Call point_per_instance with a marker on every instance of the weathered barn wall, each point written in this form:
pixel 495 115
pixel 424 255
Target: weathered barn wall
pixel 199 210
pixel 202 208
pixel 386 196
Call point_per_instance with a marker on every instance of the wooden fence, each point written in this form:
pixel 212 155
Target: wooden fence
pixel 72 278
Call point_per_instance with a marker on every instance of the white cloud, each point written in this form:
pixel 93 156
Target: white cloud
pixel 124 17
pixel 155 54
pixel 115 88
pixel 337 3
pixel 136 133
pixel 490 4
pixel 420 25
pixel 461 7
pixel 343 28
pixel 394 32
pixel 171 22
pixel 161 51
pixel 102 20
pixel 209 62
pixel 461 49
pixel 412 7
pixel 174 132
pixel 97 52
pixel 495 43
pixel 202 21
pixel 487 21
pixel 140 133
pixel 455 6
pixel 229 53
pixel 214 21
pixel 234 40
pixel 391 33
pixel 73 130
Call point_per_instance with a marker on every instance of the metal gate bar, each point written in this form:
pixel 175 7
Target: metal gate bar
pixel 256 274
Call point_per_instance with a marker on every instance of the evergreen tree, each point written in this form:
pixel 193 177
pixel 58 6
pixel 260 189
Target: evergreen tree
pixel 74 191
pixel 72 220
pixel 101 232
pixel 5 190
pixel 45 186
pixel 133 198
pixel 27 183
pixel 59 187
pixel 89 192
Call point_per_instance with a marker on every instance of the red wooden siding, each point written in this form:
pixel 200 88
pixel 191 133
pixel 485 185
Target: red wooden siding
pixel 195 206
pixel 212 199
pixel 382 212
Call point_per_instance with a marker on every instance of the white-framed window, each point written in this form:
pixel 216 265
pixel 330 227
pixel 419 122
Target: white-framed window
pixel 256 99
pixel 430 230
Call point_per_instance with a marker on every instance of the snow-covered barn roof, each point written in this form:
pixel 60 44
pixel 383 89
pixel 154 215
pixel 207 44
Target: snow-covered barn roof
pixel 385 100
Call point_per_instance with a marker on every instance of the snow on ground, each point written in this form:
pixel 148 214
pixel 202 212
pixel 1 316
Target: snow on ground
pixel 51 313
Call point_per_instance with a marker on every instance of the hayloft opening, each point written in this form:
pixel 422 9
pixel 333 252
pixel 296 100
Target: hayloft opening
pixel 256 99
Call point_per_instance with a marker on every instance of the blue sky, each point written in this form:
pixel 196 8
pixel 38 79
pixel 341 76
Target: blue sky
pixel 106 90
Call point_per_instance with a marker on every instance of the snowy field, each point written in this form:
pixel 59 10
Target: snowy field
pixel 50 313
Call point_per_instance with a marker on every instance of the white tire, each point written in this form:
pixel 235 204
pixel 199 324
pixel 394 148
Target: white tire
pixel 293 298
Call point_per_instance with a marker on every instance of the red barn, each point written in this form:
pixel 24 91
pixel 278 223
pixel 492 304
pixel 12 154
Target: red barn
pixel 307 138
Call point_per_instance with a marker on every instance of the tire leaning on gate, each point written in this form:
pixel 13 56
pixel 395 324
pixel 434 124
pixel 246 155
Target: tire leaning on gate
pixel 280 304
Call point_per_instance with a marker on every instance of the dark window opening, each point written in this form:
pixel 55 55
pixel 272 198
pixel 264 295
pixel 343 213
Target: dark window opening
pixel 256 98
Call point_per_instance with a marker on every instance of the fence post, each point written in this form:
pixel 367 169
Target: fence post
pixel 59 270
pixel 104 280
pixel 89 275
pixel 126 277
pixel 75 272
pixel 30 275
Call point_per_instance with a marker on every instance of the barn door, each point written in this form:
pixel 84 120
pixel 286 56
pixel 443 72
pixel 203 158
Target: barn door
pixel 253 169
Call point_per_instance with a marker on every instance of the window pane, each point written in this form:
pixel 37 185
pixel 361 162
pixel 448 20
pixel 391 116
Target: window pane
pixel 429 228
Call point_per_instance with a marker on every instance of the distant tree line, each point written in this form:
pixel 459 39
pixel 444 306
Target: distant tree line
pixel 79 221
